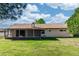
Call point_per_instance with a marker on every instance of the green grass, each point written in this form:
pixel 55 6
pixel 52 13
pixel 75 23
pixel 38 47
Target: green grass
pixel 46 47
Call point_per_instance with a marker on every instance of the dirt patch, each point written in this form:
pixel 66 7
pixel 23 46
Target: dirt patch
pixel 70 42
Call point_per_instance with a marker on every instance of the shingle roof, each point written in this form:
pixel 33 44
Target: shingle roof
pixel 37 26
pixel 1 30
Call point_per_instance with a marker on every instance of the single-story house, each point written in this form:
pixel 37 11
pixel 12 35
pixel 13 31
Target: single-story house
pixel 36 31
pixel 1 32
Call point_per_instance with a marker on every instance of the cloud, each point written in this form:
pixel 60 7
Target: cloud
pixel 64 6
pixel 29 17
pixel 31 8
pixel 37 15
pixel 53 5
pixel 24 20
pixel 41 3
pixel 58 18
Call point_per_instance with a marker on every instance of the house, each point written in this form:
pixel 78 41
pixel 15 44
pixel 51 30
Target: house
pixel 1 32
pixel 36 31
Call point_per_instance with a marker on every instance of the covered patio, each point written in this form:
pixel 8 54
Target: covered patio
pixel 23 33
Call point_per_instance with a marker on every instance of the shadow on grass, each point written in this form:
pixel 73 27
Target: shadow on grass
pixel 37 39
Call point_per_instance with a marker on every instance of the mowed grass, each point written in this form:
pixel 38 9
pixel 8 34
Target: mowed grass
pixel 41 47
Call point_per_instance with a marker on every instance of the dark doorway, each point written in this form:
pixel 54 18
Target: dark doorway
pixel 20 33
pixel 37 33
pixel 29 33
pixel 17 32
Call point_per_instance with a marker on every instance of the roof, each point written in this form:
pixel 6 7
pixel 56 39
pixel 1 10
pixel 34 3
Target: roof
pixel 1 30
pixel 38 26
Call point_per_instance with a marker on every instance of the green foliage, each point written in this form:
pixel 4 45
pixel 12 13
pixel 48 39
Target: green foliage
pixel 73 22
pixel 11 10
pixel 40 21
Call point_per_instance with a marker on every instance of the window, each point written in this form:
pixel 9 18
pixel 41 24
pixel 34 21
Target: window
pixel 49 30
pixel 43 32
pixel 62 30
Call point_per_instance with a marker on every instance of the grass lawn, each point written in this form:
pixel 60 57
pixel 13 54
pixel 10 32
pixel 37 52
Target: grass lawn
pixel 46 47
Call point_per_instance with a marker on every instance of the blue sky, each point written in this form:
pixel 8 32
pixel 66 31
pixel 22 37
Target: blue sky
pixel 50 12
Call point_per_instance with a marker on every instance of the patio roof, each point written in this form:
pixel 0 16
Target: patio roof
pixel 38 26
pixel 1 30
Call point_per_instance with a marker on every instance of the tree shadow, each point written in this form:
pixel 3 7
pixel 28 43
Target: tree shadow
pixel 36 39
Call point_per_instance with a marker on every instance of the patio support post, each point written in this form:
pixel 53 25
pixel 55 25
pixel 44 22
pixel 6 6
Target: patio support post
pixel 5 33
pixel 15 33
pixel 19 32
pixel 12 35
pixel 25 33
pixel 33 33
pixel 9 32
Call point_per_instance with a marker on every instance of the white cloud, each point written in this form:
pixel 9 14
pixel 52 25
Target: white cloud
pixel 53 5
pixel 64 6
pixel 37 15
pixel 28 16
pixel 31 8
pixel 23 20
pixel 41 3
pixel 58 18
pixel 31 17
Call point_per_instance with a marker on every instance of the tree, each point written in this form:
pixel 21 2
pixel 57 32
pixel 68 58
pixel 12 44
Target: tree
pixel 11 10
pixel 40 21
pixel 73 22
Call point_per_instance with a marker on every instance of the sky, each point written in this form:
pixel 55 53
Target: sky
pixel 50 12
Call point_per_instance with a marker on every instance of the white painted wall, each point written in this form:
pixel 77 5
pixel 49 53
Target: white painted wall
pixel 56 33
pixel 1 33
